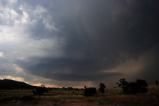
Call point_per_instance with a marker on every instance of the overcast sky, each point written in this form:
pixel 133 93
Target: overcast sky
pixel 78 42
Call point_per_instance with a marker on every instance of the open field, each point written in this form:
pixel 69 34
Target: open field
pixel 72 98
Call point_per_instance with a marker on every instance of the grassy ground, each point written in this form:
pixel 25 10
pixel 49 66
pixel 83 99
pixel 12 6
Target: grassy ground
pixel 72 98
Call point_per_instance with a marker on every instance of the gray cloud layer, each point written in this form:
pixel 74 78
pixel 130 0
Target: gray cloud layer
pixel 90 40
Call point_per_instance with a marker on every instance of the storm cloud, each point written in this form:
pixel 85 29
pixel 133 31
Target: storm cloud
pixel 86 40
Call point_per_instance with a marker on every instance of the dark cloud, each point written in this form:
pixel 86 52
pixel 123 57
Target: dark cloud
pixel 97 36
pixel 151 68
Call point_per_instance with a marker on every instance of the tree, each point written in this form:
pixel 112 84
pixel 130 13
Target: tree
pixel 102 88
pixel 139 86
pixel 123 84
pixel 90 91
pixel 40 90
pixel 157 82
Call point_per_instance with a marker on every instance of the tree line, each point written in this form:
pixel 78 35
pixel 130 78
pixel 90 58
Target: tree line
pixel 138 86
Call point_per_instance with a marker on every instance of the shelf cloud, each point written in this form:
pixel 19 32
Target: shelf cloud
pixel 86 40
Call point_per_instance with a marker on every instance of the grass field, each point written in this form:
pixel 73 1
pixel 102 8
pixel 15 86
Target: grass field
pixel 113 97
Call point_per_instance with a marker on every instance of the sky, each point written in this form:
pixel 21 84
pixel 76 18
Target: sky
pixel 79 42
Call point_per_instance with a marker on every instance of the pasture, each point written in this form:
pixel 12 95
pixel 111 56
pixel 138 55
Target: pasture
pixel 63 97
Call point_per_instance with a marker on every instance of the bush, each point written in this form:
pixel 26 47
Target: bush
pixel 39 91
pixel 90 91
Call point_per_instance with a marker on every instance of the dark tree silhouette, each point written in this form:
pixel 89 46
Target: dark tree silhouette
pixel 102 88
pixel 40 90
pixel 90 91
pixel 123 84
pixel 157 83
pixel 140 86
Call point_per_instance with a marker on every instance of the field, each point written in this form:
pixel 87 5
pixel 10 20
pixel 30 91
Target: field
pixel 60 97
